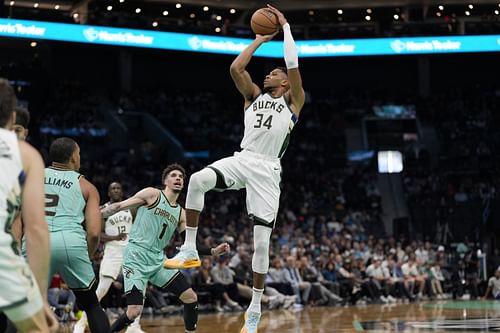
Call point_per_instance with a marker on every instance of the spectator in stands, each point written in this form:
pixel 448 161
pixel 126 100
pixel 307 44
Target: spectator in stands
pixel 494 286
pixel 301 288
pixel 223 275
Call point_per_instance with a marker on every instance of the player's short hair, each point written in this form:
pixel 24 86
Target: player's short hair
pixel 170 168
pixel 22 116
pixel 61 149
pixel 8 101
pixel 283 69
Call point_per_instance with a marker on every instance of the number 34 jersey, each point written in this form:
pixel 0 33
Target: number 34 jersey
pixel 268 125
pixel 119 223
pixel 64 201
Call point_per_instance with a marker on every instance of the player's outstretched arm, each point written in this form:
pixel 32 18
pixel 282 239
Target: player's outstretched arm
pixel 33 214
pixel 93 220
pixel 144 197
pixel 296 94
pixel 238 71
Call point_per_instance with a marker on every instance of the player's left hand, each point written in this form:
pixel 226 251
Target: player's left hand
pixel 221 249
pixel 281 18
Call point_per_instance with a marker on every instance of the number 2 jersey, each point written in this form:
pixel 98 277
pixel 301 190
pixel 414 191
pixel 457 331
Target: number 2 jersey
pixel 155 225
pixel 268 125
pixel 64 201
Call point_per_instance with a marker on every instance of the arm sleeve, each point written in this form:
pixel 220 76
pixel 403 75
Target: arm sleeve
pixel 290 49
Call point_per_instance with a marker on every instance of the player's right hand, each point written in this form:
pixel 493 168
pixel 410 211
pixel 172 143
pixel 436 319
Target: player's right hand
pixel 121 236
pixel 265 38
pixel 52 321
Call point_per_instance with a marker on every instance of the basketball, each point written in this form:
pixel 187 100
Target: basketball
pixel 264 22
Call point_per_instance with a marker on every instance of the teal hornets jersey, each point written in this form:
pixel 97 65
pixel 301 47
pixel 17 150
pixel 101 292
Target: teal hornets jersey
pixel 155 225
pixel 64 201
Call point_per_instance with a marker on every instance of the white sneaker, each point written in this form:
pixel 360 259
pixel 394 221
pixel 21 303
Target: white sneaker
pixel 384 299
pixel 134 329
pixel 186 258
pixel 391 299
pixel 80 326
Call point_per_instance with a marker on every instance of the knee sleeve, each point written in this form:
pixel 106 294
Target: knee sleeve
pixel 260 260
pixel 191 316
pixel 86 299
pixel 200 183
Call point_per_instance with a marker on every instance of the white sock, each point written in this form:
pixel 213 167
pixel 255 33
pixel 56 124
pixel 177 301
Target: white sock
pixel 256 300
pixel 190 241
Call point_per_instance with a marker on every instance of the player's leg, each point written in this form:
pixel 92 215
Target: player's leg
pixel 135 277
pixel 262 201
pixel 71 259
pixel 175 282
pixel 101 291
pixel 220 176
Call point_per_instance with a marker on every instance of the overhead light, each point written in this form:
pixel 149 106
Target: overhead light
pixel 178 5
pixel 12 3
pixel 467 13
pixel 396 16
pixel 441 7
pixel 471 6
pixel 311 12
pixel 232 10
pixel 497 12
pixel 36 5
pixel 33 44
pixel 340 12
pixel 369 11
pixel 122 1
pixel 165 12
pixel 138 10
pixel 217 29
pixel 218 17
pixel 155 24
pixel 109 8
pixel 368 17
pixel 192 15
pixel 438 14
pixel 56 7
pixel 205 8
pixel 75 15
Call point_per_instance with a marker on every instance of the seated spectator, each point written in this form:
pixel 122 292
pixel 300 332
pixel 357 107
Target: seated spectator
pixel 310 273
pixel 224 276
pixel 62 299
pixel 203 281
pixel 437 278
pixel 494 286
pixel 463 280
pixel 301 288
pixel 154 296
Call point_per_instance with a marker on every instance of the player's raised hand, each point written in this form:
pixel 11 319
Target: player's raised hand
pixel 221 249
pixel 266 38
pixel 281 18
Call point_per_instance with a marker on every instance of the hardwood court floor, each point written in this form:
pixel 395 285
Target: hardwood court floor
pixel 441 316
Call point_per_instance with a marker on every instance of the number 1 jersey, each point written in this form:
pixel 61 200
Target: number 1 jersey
pixel 155 224
pixel 268 125
pixel 64 201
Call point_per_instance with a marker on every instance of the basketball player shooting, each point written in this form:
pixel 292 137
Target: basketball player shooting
pixel 270 115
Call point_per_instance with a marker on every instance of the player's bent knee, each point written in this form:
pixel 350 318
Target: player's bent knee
pixel 188 296
pixel 133 311
pixel 203 180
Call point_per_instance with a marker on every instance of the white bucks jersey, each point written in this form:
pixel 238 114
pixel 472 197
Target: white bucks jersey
pixel 116 224
pixel 11 179
pixel 268 125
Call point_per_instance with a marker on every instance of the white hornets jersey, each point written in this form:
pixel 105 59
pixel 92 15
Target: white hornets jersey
pixel 268 125
pixel 116 224
pixel 11 179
